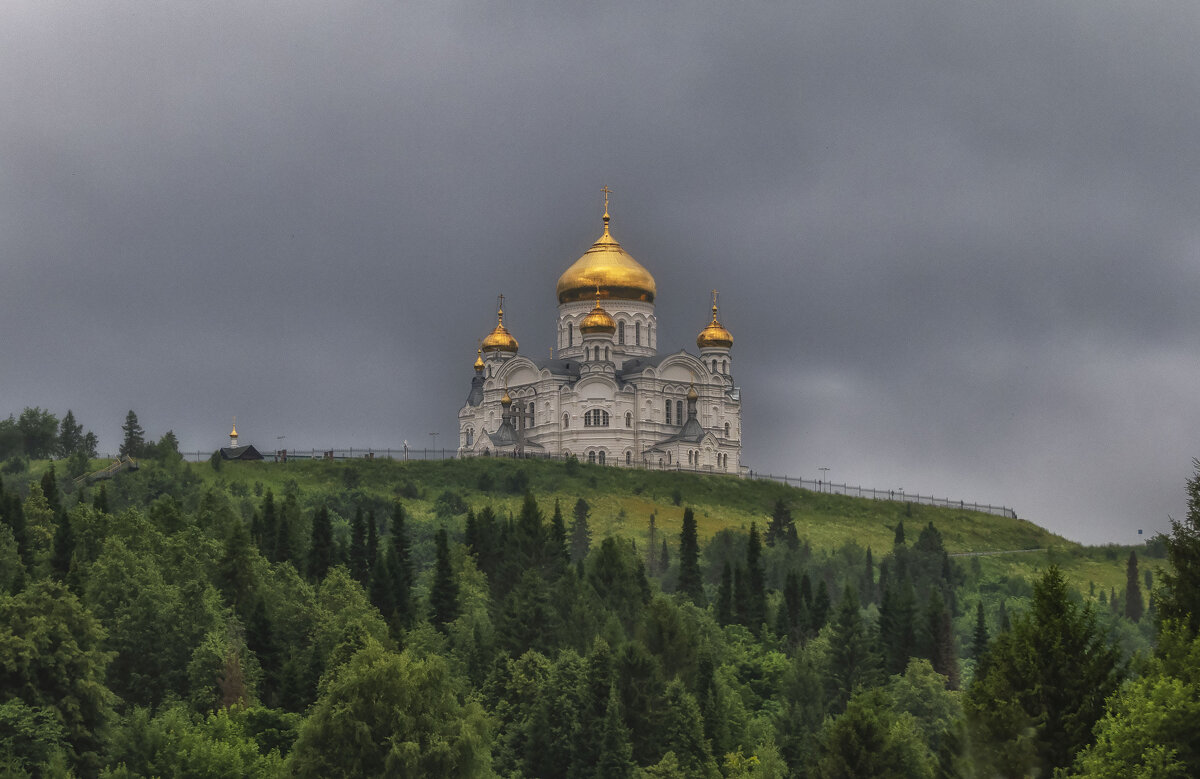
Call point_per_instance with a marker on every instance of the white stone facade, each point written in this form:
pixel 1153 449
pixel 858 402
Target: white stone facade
pixel 608 397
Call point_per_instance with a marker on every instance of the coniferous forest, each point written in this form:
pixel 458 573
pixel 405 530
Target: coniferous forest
pixel 178 621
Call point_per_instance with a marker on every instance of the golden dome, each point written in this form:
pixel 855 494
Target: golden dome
pixel 499 340
pixel 598 321
pixel 233 432
pixel 607 266
pixel 715 335
pixel 479 360
pixel 692 394
pixel 506 401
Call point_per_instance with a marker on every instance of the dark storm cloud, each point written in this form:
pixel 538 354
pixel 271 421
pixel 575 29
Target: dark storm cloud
pixel 956 242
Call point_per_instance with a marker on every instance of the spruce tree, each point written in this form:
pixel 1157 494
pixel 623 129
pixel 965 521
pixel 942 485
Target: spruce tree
pixel 581 535
pixel 400 569
pixel 1044 686
pixel 134 437
pixel 50 490
pixel 268 525
pixel 64 547
pixel 1133 590
pixel 1177 598
pixel 560 551
pixel 443 592
pixel 852 661
pixel 664 558
pixel 691 585
pixel 781 526
pixel 979 639
pixel 286 530
pixel 868 584
pixel 756 587
pixel 70 435
pixel 939 626
pixel 615 759
pixel 821 607
pixel 358 548
pixel 320 553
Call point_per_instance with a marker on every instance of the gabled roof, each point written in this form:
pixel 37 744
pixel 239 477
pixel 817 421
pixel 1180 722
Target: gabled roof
pixel 247 452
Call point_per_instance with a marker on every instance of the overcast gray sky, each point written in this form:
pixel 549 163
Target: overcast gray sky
pixel 956 242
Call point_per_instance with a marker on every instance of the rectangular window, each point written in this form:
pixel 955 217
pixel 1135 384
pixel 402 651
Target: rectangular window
pixel 637 333
pixel 668 412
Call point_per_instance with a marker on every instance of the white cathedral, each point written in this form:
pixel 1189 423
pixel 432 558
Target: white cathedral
pixel 608 396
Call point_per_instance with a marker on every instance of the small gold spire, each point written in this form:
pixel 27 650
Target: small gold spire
pixel 500 340
pixel 479 360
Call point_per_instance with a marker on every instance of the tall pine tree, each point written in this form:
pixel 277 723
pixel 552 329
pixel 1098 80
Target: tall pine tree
pixel 443 593
pixel 756 587
pixel 320 552
pixel 691 585
pixel 1133 590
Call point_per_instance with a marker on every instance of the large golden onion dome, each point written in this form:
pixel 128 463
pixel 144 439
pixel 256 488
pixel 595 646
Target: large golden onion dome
pixel 499 340
pixel 607 266
pixel 598 321
pixel 715 335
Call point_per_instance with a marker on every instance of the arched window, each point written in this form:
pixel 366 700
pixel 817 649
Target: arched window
pixel 689 456
pixel 566 421
pixel 724 366
pixel 714 370
pixel 668 458
pixel 592 457
pixel 726 429
pixel 637 333
pixel 595 418
pixel 606 352
pixel 668 411
pixel 628 458
pixel 628 419
pixel 601 457
pixel 679 411
pixel 660 463
pixel 570 334
pixel 621 333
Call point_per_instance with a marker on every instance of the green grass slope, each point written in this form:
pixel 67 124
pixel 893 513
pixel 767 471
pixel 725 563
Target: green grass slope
pixel 621 502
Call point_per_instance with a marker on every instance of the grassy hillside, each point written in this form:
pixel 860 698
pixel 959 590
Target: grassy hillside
pixel 622 501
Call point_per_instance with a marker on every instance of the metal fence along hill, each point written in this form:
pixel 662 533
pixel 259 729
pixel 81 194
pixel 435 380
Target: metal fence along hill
pixel 815 485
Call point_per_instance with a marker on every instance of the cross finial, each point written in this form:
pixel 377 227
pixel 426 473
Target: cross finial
pixel 606 192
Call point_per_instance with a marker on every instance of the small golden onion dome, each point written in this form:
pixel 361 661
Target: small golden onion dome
pixel 233 432
pixel 598 321
pixel 499 340
pixel 692 394
pixel 715 335
pixel 607 266
pixel 506 401
pixel 479 360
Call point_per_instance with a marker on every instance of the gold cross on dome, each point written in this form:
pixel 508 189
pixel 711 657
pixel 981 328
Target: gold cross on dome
pixel 500 302
pixel 714 297
pixel 606 192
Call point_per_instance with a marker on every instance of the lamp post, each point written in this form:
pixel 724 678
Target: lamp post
pixel 434 435
pixel 825 476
